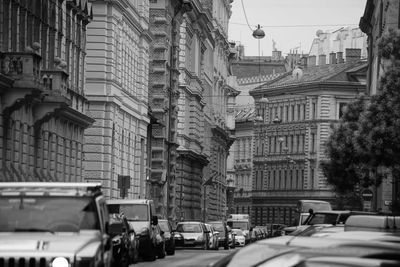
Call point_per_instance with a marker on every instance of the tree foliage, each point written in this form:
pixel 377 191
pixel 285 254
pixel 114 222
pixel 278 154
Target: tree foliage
pixel 367 138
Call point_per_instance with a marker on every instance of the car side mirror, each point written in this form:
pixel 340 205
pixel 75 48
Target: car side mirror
pixel 155 220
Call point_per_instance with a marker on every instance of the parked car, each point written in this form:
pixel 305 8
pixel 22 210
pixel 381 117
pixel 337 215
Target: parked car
pixel 374 223
pixel 334 217
pixel 141 216
pixel 54 223
pixel 313 251
pixel 191 234
pixel 169 236
pixel 213 237
pixel 124 240
pixel 222 228
pixel 240 239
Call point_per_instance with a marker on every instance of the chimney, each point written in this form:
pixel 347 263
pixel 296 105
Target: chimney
pixel 303 62
pixel 339 56
pixel 332 58
pixel 322 60
pixel 276 55
pixel 312 61
pixel 353 54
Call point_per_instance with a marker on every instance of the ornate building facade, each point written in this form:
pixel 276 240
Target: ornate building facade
pixel 165 20
pixel 117 87
pixel 195 66
pixel 380 16
pixel 293 123
pixel 43 106
pixel 219 122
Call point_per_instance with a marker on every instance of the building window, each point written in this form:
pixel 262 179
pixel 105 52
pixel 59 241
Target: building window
pixel 314 111
pixel 312 142
pixel 286 113
pixel 292 107
pixel 312 178
pixel 298 112
pixel 342 108
pixel 304 111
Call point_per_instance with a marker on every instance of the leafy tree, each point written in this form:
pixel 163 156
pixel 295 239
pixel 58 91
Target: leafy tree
pixel 367 140
pixel 345 167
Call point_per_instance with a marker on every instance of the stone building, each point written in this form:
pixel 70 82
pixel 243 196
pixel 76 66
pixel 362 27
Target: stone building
pixel 293 123
pixel 43 106
pixel 165 19
pixel 117 87
pixel 219 114
pixel 380 16
pixel 195 66
pixel 242 152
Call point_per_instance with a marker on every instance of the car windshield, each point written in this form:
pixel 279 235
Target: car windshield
pixel 44 213
pixel 237 232
pixel 238 225
pixel 323 218
pixel 133 212
pixel 163 225
pixel 218 227
pixel 188 228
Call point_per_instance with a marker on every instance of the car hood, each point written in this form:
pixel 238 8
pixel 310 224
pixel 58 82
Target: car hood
pixel 59 243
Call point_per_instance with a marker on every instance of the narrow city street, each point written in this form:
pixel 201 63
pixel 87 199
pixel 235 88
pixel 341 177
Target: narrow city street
pixel 188 258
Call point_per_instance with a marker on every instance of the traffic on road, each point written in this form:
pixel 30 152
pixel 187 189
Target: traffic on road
pixel 72 224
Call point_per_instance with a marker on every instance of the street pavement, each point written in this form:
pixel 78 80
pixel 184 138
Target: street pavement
pixel 188 258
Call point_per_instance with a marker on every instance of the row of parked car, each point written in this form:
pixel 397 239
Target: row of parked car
pixel 210 235
pixel 329 238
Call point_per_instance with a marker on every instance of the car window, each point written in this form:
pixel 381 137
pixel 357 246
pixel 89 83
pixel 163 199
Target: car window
pixel 133 212
pixel 219 227
pixel 188 228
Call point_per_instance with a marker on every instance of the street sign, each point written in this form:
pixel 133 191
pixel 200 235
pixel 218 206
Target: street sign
pixel 367 194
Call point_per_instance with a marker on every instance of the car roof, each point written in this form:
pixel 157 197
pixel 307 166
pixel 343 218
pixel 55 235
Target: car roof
pixel 372 223
pixel 128 201
pixel 192 222
pixel 49 188
pixel 366 236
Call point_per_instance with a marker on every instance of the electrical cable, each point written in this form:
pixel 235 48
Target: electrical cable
pixel 245 15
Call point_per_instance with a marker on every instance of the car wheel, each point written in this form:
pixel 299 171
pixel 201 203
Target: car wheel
pixel 161 252
pixel 171 251
pixel 226 246
pixel 151 255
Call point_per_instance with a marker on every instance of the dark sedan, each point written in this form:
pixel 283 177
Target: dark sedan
pixel 169 236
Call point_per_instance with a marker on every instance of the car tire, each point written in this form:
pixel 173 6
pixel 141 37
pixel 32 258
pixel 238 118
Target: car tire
pixel 152 254
pixel 161 252
pixel 171 251
pixel 226 246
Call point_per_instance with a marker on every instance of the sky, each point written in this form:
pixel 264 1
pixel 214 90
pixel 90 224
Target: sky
pixel 292 24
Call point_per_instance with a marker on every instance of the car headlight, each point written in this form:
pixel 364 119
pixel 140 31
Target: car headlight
pixel 116 240
pixel 200 238
pixel 60 262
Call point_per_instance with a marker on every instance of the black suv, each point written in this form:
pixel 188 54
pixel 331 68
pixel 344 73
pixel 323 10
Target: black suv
pixel 222 228
pixel 54 224
pixel 141 216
